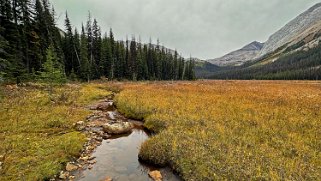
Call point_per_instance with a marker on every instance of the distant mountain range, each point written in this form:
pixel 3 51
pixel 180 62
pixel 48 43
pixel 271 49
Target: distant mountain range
pixel 296 42
pixel 238 57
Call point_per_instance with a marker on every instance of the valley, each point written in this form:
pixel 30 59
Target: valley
pixel 292 53
pixel 110 90
pixel 232 129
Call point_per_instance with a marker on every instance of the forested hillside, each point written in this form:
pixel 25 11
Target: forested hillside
pixel 298 65
pixel 29 38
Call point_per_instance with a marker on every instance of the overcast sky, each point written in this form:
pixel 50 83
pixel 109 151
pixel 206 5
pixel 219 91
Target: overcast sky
pixel 203 28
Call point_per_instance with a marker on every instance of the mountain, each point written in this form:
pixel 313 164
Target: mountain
pixel 293 52
pixel 302 28
pixel 240 56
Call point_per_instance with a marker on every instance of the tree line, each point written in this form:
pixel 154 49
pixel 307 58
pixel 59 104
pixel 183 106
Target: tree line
pixel 29 38
pixel 297 65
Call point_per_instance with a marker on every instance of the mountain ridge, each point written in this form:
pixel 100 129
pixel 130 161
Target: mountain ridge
pixel 292 29
pixel 292 52
pixel 240 56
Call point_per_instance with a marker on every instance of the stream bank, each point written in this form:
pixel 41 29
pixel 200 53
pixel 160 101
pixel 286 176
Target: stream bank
pixel 112 157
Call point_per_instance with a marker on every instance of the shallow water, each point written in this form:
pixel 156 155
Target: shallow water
pixel 117 158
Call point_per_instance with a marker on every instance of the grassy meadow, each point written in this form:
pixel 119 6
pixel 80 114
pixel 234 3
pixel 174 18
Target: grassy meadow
pixel 36 129
pixel 230 130
pixel 204 130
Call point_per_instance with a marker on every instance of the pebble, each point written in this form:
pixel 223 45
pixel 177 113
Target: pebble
pixel 63 175
pixel 99 139
pixel 155 175
pixel 107 179
pixel 71 177
pixel 92 162
pixel 106 136
pixel 91 158
pixel 84 158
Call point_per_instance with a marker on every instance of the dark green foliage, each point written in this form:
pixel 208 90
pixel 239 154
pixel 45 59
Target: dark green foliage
pixel 85 69
pixel 28 33
pixel 299 65
pixel 205 69
pixel 52 69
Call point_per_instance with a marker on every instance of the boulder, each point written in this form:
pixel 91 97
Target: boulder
pixel 71 167
pixel 103 106
pixel 118 127
pixel 155 175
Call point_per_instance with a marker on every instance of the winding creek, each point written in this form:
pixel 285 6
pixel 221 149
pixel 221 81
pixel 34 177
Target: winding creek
pixel 117 157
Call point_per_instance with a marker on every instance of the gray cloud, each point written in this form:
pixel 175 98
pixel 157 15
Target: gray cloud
pixel 202 28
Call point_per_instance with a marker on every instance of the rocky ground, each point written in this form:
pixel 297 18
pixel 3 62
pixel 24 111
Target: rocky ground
pixel 104 122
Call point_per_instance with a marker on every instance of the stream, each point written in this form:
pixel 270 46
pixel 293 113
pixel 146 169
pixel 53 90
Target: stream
pixel 117 156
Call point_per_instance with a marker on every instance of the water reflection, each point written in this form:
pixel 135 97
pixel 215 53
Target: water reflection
pixel 118 158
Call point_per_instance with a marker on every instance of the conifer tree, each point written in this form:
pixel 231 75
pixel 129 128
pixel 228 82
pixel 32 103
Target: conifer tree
pixel 106 57
pixel 96 48
pixel 132 64
pixel 28 35
pixel 112 55
pixel 52 70
pixel 84 62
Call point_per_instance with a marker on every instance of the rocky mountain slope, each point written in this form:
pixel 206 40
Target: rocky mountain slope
pixel 240 56
pixel 303 32
pixel 296 30
pixel 293 52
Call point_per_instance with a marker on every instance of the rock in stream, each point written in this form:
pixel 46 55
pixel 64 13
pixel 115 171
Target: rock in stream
pixel 118 127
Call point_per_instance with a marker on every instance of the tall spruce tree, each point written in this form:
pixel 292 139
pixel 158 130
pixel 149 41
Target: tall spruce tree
pixel 132 64
pixel 85 68
pixel 96 48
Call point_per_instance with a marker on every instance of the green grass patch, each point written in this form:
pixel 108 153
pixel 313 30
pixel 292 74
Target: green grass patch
pixel 37 136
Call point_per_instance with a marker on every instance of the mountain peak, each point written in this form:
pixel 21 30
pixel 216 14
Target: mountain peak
pixel 255 45
pixel 238 57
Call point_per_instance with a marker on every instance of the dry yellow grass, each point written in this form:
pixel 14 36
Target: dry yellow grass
pixel 36 130
pixel 234 130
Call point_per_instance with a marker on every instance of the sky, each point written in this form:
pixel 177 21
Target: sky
pixel 203 29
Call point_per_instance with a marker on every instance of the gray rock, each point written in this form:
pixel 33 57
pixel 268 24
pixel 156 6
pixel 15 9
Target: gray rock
pixel 103 106
pixel 118 127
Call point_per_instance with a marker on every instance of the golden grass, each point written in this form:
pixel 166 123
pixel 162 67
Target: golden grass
pixel 36 130
pixel 234 130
